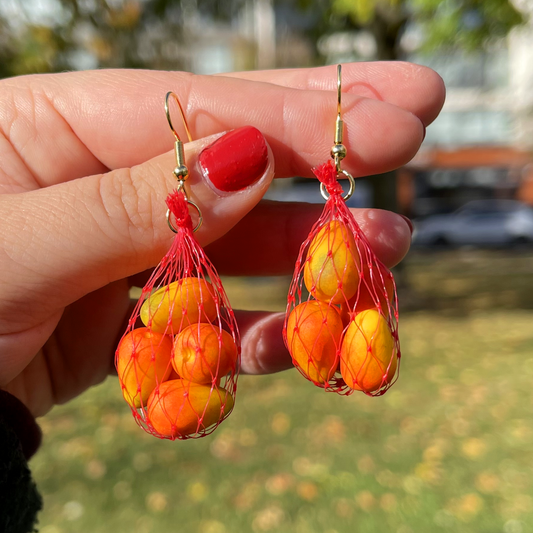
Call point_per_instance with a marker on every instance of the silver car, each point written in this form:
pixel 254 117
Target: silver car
pixel 478 223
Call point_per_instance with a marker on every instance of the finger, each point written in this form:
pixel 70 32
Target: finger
pixel 65 241
pixel 263 349
pixel 272 233
pixel 415 88
pixel 267 240
pixel 71 125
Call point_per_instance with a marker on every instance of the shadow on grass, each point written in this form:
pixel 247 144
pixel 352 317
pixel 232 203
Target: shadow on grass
pixel 462 281
pixel 450 282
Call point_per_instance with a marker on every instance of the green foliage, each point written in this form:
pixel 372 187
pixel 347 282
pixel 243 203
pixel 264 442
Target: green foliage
pixel 151 33
pixel 459 24
pixel 37 50
pixel 466 24
pixel 126 33
pixel 363 11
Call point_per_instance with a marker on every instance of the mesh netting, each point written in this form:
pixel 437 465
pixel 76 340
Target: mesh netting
pixel 341 326
pixel 178 360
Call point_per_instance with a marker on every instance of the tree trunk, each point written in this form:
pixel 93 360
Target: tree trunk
pixel 386 28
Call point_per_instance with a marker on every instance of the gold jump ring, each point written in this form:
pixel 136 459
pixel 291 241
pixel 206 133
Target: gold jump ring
pixel 200 218
pixel 345 196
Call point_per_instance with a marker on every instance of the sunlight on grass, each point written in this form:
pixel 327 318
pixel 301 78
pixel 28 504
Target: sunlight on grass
pixel 448 448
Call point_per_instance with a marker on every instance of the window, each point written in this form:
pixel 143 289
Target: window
pixel 477 126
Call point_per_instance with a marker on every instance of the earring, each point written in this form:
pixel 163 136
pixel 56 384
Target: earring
pixel 341 324
pixel 179 359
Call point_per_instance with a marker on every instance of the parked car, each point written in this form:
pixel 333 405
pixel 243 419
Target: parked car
pixel 478 223
pixel 308 191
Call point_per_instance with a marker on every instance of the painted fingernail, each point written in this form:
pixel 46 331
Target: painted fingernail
pixel 409 223
pixel 236 160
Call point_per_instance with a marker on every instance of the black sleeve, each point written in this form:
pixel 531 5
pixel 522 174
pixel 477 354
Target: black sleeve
pixel 20 437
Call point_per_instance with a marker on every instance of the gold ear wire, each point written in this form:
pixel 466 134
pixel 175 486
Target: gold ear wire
pixel 338 151
pixel 167 111
pixel 181 172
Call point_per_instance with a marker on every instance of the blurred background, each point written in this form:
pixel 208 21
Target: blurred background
pixel 449 448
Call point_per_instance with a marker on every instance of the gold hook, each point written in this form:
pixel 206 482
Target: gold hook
pixel 339 93
pixel 338 152
pixel 181 172
pixel 167 111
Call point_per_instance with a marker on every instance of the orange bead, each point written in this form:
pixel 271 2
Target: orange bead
pixel 175 306
pixel 203 353
pixel 314 331
pixel 179 408
pixel 143 361
pixel 368 354
pixel 331 269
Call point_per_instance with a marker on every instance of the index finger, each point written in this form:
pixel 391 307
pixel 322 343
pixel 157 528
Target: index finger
pixel 415 88
pixel 72 125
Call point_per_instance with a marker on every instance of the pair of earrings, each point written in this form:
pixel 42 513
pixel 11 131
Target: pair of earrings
pixel 179 359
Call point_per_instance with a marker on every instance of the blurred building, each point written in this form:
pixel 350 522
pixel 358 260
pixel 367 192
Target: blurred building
pixel 481 145
pixel 259 36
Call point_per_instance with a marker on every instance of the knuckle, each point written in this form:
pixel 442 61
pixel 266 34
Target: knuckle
pixel 131 205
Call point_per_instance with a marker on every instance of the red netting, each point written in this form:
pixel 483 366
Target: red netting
pixel 178 360
pixel 341 326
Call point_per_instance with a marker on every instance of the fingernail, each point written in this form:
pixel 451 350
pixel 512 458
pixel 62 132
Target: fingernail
pixel 409 223
pixel 236 160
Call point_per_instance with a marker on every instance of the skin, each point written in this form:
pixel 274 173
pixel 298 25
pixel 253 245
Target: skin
pixel 86 163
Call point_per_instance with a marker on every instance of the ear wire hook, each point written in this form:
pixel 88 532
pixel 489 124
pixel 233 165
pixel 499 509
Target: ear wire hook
pixel 167 111
pixel 181 172
pixel 338 151
pixel 339 124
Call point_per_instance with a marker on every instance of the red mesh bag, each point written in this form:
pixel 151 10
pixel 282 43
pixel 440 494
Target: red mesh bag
pixel 178 360
pixel 341 325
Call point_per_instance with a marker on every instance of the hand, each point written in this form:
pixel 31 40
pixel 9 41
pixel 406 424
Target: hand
pixel 83 189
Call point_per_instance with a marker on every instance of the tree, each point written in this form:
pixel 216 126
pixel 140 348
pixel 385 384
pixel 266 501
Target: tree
pixel 157 34
pixel 454 24
pixel 468 25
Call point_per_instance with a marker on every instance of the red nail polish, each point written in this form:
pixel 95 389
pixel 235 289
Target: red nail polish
pixel 235 160
pixel 409 223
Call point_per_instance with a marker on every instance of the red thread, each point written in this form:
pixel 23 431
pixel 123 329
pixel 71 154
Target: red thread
pixel 177 203
pixel 341 324
pixel 327 174
pixel 179 359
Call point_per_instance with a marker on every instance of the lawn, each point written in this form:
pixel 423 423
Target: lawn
pixel 449 448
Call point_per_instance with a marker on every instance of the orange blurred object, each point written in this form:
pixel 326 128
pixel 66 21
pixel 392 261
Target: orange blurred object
pixel 143 361
pixel 179 408
pixel 203 353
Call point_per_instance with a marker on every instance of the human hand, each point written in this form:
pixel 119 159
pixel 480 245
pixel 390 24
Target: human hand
pixel 83 187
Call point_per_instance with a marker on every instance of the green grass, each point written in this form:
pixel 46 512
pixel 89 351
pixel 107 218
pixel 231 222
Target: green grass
pixel 449 448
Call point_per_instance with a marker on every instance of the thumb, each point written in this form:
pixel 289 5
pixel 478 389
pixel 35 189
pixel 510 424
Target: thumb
pixel 67 240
